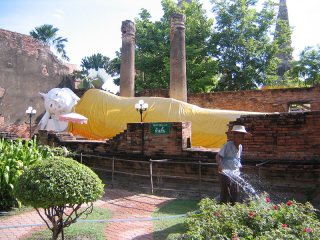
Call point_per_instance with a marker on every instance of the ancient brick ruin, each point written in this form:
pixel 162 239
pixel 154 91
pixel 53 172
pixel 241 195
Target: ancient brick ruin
pixel 264 100
pixel 283 153
pixel 27 67
pixel 283 150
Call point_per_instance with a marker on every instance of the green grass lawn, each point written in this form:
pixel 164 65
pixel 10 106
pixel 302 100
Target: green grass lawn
pixel 172 228
pixel 81 231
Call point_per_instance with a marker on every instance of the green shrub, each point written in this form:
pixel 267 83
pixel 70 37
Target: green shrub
pixel 60 186
pixel 15 157
pixel 258 219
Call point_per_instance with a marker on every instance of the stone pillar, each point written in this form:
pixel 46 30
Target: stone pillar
pixel 127 70
pixel 178 78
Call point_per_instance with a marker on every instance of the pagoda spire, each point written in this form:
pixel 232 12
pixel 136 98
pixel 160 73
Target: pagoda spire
pixel 282 26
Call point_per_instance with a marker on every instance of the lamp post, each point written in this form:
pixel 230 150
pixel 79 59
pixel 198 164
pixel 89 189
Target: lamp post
pixel 30 111
pixel 141 106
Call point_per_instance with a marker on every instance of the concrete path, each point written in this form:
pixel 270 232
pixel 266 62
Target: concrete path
pixel 123 205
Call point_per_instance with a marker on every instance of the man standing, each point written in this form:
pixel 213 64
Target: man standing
pixel 228 159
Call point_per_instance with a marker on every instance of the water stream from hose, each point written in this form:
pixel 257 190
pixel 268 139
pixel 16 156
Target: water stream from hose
pixel 236 177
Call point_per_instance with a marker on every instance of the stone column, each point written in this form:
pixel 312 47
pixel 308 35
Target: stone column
pixel 178 78
pixel 127 70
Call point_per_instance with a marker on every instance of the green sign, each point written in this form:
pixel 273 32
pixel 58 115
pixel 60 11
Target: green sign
pixel 160 128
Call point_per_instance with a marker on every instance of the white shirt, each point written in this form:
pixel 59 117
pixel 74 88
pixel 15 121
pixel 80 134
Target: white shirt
pixel 231 156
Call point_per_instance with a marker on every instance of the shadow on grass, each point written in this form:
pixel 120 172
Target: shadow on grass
pixel 172 228
pixel 170 233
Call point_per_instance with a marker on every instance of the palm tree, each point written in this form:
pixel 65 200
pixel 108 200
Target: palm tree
pixel 95 61
pixel 48 35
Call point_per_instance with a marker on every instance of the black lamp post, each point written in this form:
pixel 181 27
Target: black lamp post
pixel 141 106
pixel 31 111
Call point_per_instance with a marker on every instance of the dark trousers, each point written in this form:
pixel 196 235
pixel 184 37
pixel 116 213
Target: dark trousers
pixel 229 190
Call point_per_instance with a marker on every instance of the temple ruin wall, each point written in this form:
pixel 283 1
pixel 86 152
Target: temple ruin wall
pixel 27 67
pixel 267 100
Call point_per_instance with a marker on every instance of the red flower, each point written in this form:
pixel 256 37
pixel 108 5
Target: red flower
pixel 251 214
pixel 307 230
pixel 289 203
pixel 268 199
pixel 275 207
pixel 216 214
pixel 284 225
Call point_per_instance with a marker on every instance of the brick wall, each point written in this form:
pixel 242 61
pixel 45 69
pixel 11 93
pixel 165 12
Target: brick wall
pixel 282 137
pixel 136 141
pixel 282 155
pixel 268 100
pixel 27 67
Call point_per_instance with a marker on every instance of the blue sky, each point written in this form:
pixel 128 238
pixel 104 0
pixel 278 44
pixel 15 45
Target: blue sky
pixel 93 26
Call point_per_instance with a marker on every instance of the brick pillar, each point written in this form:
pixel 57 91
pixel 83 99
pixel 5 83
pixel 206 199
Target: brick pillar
pixel 178 76
pixel 127 70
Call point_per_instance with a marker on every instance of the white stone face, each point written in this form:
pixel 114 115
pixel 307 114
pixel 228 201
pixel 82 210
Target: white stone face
pixel 57 101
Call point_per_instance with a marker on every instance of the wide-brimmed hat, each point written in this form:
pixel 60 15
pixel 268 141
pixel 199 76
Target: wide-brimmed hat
pixel 239 128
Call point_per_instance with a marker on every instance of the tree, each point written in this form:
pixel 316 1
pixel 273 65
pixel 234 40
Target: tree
pixel 94 70
pixel 307 68
pixel 61 186
pixel 242 44
pixel 152 53
pixel 202 68
pixel 95 61
pixel 48 35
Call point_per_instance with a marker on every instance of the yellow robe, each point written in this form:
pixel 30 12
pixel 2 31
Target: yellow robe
pixel 109 114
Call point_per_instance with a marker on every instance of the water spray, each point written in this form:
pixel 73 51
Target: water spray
pixel 234 175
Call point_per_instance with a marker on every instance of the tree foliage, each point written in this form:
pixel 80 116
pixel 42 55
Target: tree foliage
pixel 48 35
pixel 202 68
pixel 242 44
pixel 307 68
pixel 61 186
pixel 95 61
pixel 99 63
pixel 236 52
pixel 152 53
pixel 15 158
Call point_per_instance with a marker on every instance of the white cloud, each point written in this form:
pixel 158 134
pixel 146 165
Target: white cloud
pixel 58 14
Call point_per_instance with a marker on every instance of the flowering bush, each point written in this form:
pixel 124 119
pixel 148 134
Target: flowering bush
pixel 257 219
